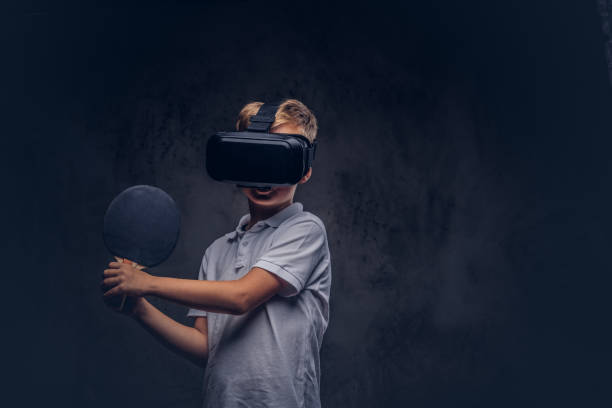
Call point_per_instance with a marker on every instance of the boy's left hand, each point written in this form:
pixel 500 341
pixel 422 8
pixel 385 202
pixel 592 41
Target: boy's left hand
pixel 125 279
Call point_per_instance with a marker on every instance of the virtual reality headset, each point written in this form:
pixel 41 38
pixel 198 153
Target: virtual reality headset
pixel 257 158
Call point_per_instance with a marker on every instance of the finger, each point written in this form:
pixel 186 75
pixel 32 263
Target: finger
pixel 114 291
pixel 115 264
pixel 111 282
pixel 110 272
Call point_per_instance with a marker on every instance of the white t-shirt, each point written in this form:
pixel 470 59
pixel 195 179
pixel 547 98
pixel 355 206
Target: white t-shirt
pixel 269 357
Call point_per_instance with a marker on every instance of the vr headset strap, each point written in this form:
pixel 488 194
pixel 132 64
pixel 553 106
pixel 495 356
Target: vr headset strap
pixel 264 118
pixel 311 152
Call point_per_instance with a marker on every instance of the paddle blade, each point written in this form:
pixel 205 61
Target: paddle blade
pixel 142 224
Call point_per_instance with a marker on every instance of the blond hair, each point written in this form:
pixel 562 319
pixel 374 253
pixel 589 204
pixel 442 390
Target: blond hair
pixel 290 111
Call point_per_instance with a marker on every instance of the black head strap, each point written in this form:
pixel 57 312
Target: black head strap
pixel 264 118
pixel 312 151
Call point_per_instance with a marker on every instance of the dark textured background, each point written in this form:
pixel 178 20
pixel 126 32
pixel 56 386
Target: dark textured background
pixel 463 176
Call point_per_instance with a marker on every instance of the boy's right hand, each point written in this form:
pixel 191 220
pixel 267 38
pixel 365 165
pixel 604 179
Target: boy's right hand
pixel 132 306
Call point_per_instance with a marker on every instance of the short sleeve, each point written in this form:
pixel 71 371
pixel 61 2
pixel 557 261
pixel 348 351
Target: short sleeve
pixel 295 252
pixel 201 276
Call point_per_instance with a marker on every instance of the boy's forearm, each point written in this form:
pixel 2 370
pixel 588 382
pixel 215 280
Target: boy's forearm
pixel 212 296
pixel 184 340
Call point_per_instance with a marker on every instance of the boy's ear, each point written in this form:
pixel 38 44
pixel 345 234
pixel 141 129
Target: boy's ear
pixel 306 176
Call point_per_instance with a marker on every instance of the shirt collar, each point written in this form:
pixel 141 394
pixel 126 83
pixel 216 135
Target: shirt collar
pixel 273 221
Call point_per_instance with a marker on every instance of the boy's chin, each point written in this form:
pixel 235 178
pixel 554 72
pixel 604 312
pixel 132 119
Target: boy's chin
pixel 264 200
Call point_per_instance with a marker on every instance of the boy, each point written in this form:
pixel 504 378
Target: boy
pixel 261 301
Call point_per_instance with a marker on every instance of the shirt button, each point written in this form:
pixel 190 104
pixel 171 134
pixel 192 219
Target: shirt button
pixel 244 243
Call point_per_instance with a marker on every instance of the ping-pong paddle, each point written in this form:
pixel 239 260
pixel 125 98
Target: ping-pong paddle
pixel 141 227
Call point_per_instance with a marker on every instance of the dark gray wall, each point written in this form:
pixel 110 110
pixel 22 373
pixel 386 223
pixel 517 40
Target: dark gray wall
pixel 462 176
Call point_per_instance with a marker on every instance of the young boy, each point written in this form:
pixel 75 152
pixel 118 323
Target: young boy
pixel 261 301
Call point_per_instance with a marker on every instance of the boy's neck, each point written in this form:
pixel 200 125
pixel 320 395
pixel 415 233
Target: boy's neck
pixel 261 213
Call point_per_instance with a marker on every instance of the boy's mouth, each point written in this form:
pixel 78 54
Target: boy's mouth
pixel 263 190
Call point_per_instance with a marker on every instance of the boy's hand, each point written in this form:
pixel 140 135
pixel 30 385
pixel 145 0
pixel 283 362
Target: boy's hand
pixel 132 307
pixel 125 279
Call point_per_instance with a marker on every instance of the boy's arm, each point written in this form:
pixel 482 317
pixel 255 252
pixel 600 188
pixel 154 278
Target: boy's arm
pixel 234 297
pixel 190 342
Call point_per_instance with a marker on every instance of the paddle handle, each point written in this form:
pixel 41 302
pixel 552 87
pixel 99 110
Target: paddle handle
pixel 136 265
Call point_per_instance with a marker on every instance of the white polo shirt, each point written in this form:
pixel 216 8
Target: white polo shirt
pixel 269 357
